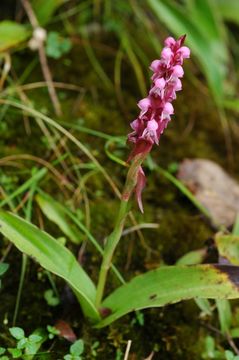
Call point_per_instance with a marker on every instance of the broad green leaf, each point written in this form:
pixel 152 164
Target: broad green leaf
pixel 208 50
pixel 54 212
pixel 228 247
pixel 168 285
pixel 52 256
pixel 12 34
pixel 193 258
pixel 44 10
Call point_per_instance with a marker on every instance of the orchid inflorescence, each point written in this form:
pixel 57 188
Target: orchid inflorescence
pixel 156 109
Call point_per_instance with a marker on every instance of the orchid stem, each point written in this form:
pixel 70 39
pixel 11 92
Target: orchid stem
pixel 114 237
pixel 111 244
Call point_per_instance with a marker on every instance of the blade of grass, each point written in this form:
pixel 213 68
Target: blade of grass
pixel 25 186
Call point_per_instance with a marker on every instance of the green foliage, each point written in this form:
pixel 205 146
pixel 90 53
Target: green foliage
pixel 51 298
pixel 26 345
pixel 93 348
pixel 12 34
pixel 44 10
pixel 17 333
pixel 16 353
pixel 52 331
pixel 3 268
pixel 202 23
pixel 56 45
pixel 76 350
pixel 231 356
pixel 155 288
pixel 228 247
pixel 212 351
pixel 193 257
pixel 225 315
pixel 2 350
pixel 168 285
pixel 54 212
pixel 68 217
pixel 53 256
pixel 229 9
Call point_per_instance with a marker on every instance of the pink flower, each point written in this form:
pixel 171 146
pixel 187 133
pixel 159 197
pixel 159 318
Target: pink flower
pixel 156 108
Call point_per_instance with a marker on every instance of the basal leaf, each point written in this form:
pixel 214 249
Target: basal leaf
pixel 52 256
pixel 12 34
pixel 168 285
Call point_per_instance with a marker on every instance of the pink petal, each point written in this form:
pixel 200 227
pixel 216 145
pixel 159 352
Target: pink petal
pixel 144 104
pixel 155 65
pixel 178 85
pixel 168 109
pixel 152 125
pixel 135 124
pixel 178 71
pixel 170 41
pixel 185 51
pixel 160 83
pixel 166 53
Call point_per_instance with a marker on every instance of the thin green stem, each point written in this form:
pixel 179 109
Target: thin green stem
pixel 110 247
pixel 114 238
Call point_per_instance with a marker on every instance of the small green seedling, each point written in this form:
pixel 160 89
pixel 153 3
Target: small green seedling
pixel 51 298
pixel 52 331
pixel 94 348
pixel 56 45
pixel 76 350
pixel 230 355
pixel 25 345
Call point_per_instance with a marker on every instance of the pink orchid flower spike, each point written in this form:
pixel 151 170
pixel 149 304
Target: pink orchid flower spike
pixel 156 109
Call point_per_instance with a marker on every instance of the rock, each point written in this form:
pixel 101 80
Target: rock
pixel 213 187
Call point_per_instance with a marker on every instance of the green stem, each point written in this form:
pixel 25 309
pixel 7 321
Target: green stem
pixel 114 237
pixel 110 247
